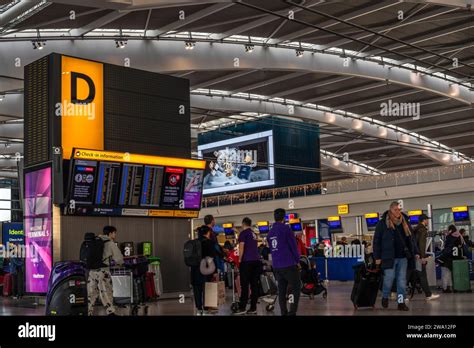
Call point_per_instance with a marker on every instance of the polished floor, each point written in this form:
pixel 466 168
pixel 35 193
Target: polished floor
pixel 337 303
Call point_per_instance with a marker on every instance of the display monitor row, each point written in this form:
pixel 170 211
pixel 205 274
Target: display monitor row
pixel 116 184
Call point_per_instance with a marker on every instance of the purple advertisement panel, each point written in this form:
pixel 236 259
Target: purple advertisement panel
pixel 38 234
pixel 193 188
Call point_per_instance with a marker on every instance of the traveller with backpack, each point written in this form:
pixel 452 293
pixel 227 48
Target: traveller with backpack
pixel 199 254
pixel 99 253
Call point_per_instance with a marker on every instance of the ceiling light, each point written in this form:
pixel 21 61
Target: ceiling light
pixel 38 44
pixel 249 48
pixel 120 43
pixel 2 96
pixel 189 45
pixel 383 132
pixel 299 53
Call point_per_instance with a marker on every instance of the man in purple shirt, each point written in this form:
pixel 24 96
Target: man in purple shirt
pixel 250 267
pixel 285 262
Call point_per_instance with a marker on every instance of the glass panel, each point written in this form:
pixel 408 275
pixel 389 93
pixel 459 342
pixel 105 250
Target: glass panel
pixel 406 178
pixel 348 185
pixel 450 173
pixel 386 180
pixel 428 175
pixel 296 191
pixel 367 183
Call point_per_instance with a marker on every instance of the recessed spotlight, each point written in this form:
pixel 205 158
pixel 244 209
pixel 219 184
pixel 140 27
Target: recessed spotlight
pixel 2 96
pixel 299 53
pixel 189 45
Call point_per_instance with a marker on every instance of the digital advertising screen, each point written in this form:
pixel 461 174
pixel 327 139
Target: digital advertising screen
pixel 240 163
pixel 38 233
pixel 12 232
pixel 193 188
pixel 172 186
pixel 296 227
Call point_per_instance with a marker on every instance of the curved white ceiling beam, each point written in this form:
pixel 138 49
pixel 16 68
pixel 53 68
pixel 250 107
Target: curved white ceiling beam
pixel 363 125
pixel 170 56
pixel 336 162
pixel 9 175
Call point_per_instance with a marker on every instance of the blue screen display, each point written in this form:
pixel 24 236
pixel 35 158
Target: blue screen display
pixel 461 216
pixel 372 222
pixel 296 227
pixel 414 219
pixel 263 229
pixel 333 225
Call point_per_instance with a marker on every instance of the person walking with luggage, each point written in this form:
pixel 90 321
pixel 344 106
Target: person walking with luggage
pixel 454 249
pixel 394 251
pixel 285 261
pixel 421 234
pixel 210 222
pixel 99 281
pixel 17 271
pixel 198 279
pixel 250 268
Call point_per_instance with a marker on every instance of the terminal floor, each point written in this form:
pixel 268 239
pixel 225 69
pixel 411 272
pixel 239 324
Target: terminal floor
pixel 337 303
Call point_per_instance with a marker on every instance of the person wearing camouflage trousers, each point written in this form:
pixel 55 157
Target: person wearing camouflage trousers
pixel 99 281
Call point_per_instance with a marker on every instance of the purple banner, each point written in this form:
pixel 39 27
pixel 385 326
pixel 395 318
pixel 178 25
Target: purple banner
pixel 38 234
pixel 193 189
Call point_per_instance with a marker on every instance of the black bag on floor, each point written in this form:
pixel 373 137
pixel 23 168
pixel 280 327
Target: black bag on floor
pixel 366 286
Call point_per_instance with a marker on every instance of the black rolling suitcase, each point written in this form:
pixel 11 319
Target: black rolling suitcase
pixel 366 286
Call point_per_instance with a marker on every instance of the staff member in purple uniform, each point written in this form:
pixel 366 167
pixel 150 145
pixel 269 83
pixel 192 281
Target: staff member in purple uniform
pixel 250 267
pixel 285 261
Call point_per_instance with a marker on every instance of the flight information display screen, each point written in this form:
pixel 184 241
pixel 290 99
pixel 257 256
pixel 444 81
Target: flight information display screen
pixel 108 183
pixel 113 184
pixel 152 185
pixel 132 176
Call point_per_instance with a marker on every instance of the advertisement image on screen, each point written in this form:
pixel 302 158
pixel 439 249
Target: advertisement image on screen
pixel 172 186
pixel 38 233
pixel 193 188
pixel 12 233
pixel 239 163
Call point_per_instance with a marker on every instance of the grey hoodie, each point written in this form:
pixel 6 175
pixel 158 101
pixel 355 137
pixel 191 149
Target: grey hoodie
pixel 111 252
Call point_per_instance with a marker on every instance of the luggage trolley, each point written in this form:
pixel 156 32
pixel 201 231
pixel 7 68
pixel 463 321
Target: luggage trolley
pixel 129 284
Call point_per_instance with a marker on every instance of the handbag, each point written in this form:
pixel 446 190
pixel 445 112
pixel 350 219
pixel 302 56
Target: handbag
pixel 207 266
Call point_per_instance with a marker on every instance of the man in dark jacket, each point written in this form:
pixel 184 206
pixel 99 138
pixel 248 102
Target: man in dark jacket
pixel 421 234
pixel 394 251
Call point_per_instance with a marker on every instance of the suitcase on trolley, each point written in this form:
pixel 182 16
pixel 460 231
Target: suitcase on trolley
pixel 461 278
pixel 150 286
pixel 7 284
pixel 366 286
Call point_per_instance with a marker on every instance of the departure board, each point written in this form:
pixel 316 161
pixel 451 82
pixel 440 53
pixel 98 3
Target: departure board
pixel 108 183
pixel 152 184
pixel 132 176
pixel 83 181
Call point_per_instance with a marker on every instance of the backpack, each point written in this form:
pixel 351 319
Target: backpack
pixel 92 251
pixel 192 252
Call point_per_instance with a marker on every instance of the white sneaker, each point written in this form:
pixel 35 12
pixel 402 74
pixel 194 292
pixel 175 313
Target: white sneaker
pixel 200 313
pixel 432 297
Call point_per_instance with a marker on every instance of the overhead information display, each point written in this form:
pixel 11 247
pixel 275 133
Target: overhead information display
pixel 108 183
pixel 83 178
pixel 152 184
pixel 103 183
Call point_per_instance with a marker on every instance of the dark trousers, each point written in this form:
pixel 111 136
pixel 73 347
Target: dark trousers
pixel 18 283
pixel 198 281
pixel 249 273
pixel 423 278
pixel 288 277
